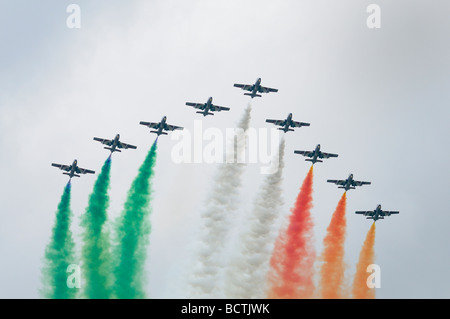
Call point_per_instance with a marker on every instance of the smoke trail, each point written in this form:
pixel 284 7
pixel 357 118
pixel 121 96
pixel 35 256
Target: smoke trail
pixel 291 272
pixel 333 267
pixel 245 277
pixel 59 253
pixel 132 230
pixel 221 204
pixel 95 253
pixel 366 257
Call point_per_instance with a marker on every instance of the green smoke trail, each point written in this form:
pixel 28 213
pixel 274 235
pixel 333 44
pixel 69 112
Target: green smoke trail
pixel 133 230
pixel 60 253
pixel 96 251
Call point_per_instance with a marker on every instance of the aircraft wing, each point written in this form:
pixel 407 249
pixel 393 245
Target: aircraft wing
pixel 246 87
pixel 80 170
pixel 172 127
pixel 125 146
pixel 364 212
pixel 62 167
pixel 276 122
pixel 200 106
pixel 337 182
pixel 150 124
pixel 359 183
pixel 298 124
pixel 263 89
pixel 103 141
pixel 305 153
pixel 327 155
pixel 389 213
pixel 219 108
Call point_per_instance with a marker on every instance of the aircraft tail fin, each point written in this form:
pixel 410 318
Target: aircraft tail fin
pixel 156 132
pixel 285 131
pixel 205 114
pixel 311 160
pixel 109 148
pixel 71 176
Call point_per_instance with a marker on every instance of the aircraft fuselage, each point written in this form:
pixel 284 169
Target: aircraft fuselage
pixel 161 126
pixel 73 168
pixel 207 107
pixel 287 123
pixel 256 88
pixel 349 183
pixel 115 143
pixel 316 154
pixel 377 213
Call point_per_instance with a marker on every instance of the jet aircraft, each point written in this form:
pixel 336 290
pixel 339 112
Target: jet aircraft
pixel 115 144
pixel 161 126
pixel 287 123
pixel 348 183
pixel 207 107
pixel 254 89
pixel 315 154
pixel 376 214
pixel 73 170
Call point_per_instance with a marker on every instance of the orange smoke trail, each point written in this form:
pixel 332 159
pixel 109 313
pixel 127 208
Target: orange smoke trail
pixel 291 265
pixel 366 258
pixel 333 268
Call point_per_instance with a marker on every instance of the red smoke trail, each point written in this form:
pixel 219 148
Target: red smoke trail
pixel 366 258
pixel 333 268
pixel 291 265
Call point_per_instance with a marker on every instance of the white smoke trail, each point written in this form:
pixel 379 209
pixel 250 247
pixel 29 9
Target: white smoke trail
pixel 246 274
pixel 221 204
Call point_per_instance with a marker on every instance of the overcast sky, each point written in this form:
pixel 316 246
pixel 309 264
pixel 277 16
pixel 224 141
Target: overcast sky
pixel 377 97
